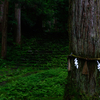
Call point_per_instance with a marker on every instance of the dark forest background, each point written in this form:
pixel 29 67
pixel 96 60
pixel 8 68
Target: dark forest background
pixel 36 69
pixel 41 17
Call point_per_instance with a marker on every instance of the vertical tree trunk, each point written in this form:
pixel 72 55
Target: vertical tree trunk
pixel 4 30
pixel 1 14
pixel 17 29
pixel 84 32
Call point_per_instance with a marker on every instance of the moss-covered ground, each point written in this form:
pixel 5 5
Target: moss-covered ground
pixel 36 70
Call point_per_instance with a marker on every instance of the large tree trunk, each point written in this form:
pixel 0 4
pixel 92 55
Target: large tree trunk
pixel 4 30
pixel 84 32
pixel 17 28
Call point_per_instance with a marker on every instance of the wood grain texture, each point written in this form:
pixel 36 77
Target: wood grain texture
pixel 85 34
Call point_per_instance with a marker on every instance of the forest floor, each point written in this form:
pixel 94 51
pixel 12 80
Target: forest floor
pixel 35 71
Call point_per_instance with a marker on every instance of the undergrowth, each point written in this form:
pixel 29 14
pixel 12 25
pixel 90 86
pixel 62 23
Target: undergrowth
pixel 36 70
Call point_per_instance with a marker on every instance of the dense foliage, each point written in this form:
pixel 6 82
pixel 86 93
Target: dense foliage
pixel 39 13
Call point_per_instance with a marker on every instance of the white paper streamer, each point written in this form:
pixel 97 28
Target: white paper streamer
pixel 76 62
pixel 98 65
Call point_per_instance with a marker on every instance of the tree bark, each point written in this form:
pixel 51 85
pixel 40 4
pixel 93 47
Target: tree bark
pixel 84 32
pixel 17 29
pixel 4 30
pixel 1 14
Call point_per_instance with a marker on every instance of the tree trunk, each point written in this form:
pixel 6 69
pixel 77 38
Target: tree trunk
pixel 84 32
pixel 1 14
pixel 17 29
pixel 4 30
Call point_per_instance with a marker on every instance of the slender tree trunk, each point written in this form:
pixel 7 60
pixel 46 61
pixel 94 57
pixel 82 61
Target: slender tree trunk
pixel 1 14
pixel 84 32
pixel 17 29
pixel 4 30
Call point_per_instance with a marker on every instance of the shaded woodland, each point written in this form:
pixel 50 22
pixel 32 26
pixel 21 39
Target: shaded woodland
pixel 34 48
